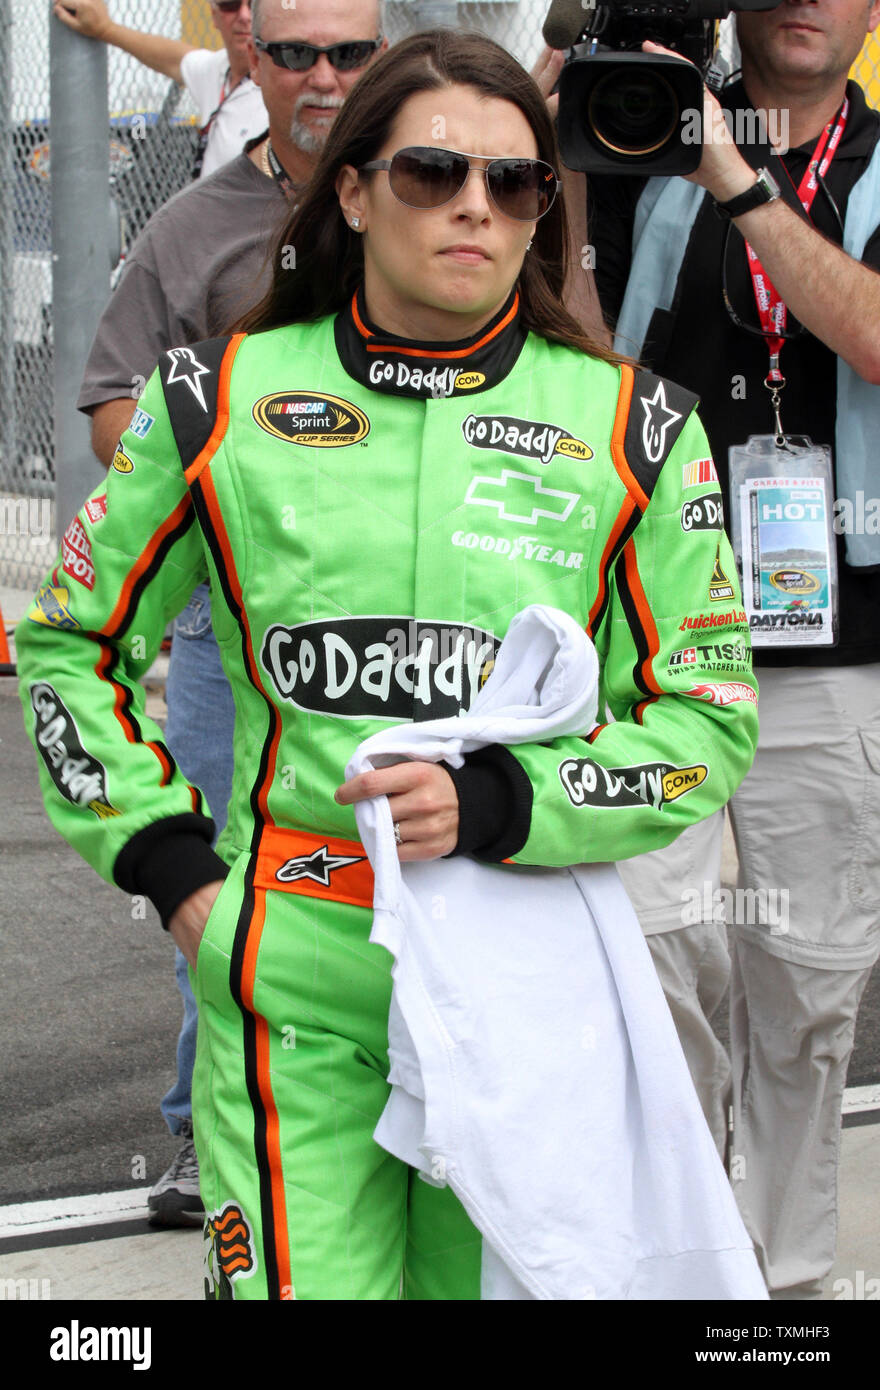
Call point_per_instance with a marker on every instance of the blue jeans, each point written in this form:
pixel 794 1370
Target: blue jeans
pixel 199 735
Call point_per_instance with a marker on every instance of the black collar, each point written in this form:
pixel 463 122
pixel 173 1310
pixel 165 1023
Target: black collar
pixel 403 367
pixel 858 140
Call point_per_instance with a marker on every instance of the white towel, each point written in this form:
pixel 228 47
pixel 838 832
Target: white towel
pixel 534 1064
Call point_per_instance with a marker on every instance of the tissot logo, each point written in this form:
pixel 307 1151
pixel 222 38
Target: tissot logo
pixel 532 439
pixel 318 422
pixel 378 667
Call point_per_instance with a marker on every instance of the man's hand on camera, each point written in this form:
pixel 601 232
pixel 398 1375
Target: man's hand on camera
pixel 722 171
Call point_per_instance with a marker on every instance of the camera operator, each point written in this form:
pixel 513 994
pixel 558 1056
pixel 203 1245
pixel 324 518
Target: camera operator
pixel 673 272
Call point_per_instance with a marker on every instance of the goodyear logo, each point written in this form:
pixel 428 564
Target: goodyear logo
pixel 51 608
pixel 794 581
pixel 588 783
pixel 466 381
pixel 122 463
pixel 531 439
pixel 318 422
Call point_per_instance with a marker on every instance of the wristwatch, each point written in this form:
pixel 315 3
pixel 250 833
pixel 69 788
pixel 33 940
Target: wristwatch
pixel 764 190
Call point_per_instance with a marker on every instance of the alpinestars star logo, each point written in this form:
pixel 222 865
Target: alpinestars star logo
pixel 317 866
pixel 186 367
pixel 658 419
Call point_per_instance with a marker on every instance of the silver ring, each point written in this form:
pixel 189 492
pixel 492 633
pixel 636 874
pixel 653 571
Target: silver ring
pixel 397 835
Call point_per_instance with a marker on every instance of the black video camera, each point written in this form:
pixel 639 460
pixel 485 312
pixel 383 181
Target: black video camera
pixel 626 112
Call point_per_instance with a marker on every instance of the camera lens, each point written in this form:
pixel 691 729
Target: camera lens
pixel 633 112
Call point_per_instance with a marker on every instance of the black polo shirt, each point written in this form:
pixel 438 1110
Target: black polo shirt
pixel 698 344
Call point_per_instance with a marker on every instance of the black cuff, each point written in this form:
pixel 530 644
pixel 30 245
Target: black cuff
pixel 168 860
pixel 494 804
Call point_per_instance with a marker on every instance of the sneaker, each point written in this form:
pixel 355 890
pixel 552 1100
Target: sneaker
pixel 175 1200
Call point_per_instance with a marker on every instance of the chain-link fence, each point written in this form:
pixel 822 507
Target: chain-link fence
pixel 152 134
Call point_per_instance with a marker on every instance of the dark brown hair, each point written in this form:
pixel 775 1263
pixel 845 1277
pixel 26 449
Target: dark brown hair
pixel 329 255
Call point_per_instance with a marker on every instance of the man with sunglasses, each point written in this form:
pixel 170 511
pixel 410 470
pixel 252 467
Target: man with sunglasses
pixel 198 264
pixel 229 104
pixel 806 817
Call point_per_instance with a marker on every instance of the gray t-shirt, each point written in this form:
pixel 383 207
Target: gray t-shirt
pixel 200 262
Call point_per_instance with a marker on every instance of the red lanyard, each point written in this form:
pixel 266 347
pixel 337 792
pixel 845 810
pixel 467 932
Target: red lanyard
pixel 205 131
pixel 771 309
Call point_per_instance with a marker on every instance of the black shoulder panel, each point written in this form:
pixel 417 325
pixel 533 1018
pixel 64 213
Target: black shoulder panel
pixel 657 415
pixel 191 382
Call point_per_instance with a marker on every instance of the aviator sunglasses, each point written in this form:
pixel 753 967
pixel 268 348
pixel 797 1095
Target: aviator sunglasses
pixel 423 176
pixel 299 57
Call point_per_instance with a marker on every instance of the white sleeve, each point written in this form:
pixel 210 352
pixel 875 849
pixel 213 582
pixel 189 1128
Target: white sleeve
pixel 203 71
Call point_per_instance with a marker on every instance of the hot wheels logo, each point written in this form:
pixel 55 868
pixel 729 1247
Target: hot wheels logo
pixel 727 693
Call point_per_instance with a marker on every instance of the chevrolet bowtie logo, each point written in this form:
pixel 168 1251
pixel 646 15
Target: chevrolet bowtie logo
pixel 521 497
pixel 317 866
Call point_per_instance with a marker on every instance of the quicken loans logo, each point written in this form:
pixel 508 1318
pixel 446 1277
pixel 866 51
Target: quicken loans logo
pixel 319 422
pixel 531 439
pixel 75 1343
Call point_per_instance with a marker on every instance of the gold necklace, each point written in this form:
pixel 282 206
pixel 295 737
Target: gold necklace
pixel 264 159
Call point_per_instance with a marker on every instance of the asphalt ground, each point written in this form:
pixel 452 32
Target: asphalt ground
pixel 91 1008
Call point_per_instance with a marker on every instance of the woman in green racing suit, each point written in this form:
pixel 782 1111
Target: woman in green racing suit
pixel 412 441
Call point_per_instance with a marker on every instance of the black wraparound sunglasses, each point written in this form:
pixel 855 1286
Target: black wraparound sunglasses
pixel 228 6
pixel 423 176
pixel 299 57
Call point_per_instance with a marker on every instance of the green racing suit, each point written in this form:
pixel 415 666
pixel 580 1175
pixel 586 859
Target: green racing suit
pixel 370 514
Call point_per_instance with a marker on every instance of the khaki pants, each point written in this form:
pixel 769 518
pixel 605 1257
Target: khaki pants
pixel 807 823
pixel 692 960
pixel 806 928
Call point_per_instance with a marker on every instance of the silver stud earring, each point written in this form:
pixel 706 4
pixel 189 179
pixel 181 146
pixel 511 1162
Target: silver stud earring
pixel 528 246
pixel 355 223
